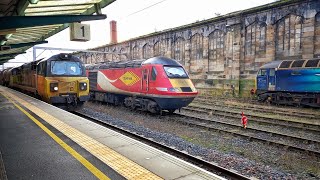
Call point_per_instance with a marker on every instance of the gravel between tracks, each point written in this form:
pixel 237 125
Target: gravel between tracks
pixel 248 158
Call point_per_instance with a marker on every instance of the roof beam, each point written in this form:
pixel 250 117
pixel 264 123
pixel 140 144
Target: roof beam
pixel 26 44
pixel 9 56
pixel 102 3
pixel 33 1
pixel 12 22
pixel 21 7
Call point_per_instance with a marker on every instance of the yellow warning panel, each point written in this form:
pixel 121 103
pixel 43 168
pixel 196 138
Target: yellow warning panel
pixel 129 78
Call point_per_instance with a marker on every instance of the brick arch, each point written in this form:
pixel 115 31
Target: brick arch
pixel 159 48
pixel 196 47
pixel 108 56
pixel 196 54
pixel 88 59
pixel 255 43
pixel 135 54
pixel 178 50
pixel 317 35
pixel 288 34
pixel 123 54
pixel 100 56
pixel 216 47
pixel 146 51
pixel 83 58
pixel 93 59
pixel 115 56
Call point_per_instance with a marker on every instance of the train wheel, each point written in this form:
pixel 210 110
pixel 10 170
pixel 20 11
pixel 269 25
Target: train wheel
pixel 128 102
pixel 153 107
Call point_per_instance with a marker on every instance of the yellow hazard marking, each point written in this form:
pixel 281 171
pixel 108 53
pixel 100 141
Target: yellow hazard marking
pixel 69 149
pixel 121 164
pixel 129 78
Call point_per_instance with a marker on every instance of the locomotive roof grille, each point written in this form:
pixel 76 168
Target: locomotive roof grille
pixel 298 63
pixel 285 64
pixel 313 63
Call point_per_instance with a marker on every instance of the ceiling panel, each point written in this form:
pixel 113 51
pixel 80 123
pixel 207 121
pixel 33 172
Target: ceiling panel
pixel 38 32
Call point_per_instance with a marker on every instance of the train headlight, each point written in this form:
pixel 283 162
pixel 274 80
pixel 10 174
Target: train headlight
pixel 54 87
pixel 174 89
pixel 83 86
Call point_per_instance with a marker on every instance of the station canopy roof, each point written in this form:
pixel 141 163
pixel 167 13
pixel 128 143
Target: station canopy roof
pixel 25 23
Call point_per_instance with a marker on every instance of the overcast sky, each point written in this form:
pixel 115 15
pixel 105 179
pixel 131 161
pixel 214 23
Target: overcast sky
pixel 139 17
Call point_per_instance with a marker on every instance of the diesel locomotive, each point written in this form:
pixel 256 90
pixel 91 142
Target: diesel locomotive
pixel 290 82
pixel 59 80
pixel 153 85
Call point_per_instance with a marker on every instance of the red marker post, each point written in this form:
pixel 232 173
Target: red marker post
pixel 244 120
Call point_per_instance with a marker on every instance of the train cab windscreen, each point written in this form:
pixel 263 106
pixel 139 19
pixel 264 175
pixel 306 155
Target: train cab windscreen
pixel 175 72
pixel 66 68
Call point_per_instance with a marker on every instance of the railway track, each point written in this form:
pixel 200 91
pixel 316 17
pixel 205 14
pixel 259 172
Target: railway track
pixel 283 140
pixel 292 121
pixel 229 174
pixel 261 108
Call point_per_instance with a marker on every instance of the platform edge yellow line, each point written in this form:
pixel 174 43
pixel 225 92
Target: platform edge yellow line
pixel 95 171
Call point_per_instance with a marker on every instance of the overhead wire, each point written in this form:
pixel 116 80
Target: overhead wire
pixel 136 12
pixel 146 8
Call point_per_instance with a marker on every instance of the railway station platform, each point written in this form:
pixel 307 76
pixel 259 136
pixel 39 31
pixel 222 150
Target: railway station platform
pixel 40 141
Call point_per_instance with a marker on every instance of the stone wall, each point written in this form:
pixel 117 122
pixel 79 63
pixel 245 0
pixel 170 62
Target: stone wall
pixel 223 54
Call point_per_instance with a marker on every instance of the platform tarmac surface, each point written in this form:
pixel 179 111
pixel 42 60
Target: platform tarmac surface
pixel 40 141
pixel 29 153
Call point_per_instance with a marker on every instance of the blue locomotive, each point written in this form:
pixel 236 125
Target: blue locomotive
pixel 290 82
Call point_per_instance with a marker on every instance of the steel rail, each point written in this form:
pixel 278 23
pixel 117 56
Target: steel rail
pixel 221 171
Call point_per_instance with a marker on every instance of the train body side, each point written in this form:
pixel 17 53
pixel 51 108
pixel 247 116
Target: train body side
pixel 38 78
pixel 298 80
pixel 303 80
pixel 148 81
pixel 284 82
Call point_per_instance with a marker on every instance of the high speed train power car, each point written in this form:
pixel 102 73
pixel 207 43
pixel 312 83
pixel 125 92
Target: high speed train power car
pixel 152 85
pixel 60 80
pixel 287 82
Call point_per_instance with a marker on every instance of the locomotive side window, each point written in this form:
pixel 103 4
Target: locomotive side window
pixel 272 72
pixel 312 63
pixel 41 69
pixel 297 63
pixel 153 74
pixel 262 72
pixel 175 72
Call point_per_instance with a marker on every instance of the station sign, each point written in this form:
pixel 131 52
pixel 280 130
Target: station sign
pixel 79 32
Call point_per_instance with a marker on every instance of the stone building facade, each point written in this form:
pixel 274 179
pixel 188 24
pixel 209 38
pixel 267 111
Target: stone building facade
pixel 222 55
